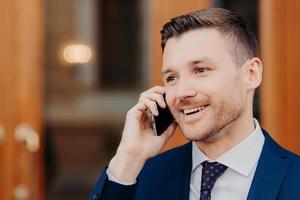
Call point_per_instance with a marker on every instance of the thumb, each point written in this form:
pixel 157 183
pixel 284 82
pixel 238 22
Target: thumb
pixel 170 131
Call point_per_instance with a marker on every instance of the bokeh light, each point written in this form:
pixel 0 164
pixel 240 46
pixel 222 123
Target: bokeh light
pixel 77 53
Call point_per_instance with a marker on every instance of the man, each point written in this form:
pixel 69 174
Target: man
pixel 210 71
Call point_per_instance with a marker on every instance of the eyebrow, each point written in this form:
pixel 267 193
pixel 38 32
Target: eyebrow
pixel 193 62
pixel 166 71
pixel 202 60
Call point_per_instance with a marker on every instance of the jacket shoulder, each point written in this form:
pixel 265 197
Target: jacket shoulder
pixel 165 173
pixel 167 158
pixel 290 186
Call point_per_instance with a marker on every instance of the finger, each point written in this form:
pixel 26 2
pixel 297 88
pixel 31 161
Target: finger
pixel 148 123
pixel 152 106
pixel 141 106
pixel 170 131
pixel 159 89
pixel 138 110
pixel 156 89
pixel 155 97
pixel 159 99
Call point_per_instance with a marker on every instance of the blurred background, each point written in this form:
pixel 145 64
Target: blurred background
pixel 70 70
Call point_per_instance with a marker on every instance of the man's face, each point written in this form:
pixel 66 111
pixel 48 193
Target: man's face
pixel 204 87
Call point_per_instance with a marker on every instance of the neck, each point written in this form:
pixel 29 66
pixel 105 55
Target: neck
pixel 229 137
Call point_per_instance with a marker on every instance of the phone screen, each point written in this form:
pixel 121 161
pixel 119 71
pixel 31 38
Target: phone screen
pixel 162 121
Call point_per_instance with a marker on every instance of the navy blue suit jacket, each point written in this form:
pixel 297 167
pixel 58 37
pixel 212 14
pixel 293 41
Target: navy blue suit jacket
pixel 167 176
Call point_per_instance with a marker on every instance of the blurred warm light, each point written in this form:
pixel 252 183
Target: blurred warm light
pixel 77 53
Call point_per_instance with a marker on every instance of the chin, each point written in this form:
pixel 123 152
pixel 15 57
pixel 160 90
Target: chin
pixel 201 132
pixel 194 133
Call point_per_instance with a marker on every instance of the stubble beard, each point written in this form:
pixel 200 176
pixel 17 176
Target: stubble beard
pixel 215 125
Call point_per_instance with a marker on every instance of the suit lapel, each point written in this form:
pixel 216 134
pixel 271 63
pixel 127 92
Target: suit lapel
pixel 270 172
pixel 178 186
pixel 186 175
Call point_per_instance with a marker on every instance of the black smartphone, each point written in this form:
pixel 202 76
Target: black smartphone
pixel 161 122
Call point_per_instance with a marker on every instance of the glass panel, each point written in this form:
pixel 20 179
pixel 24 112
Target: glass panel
pixel 120 43
pixel 95 68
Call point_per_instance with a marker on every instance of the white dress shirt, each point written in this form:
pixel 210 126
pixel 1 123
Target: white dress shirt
pixel 241 161
pixel 235 182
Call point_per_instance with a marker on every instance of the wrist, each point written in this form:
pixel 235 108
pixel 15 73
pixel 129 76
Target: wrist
pixel 126 166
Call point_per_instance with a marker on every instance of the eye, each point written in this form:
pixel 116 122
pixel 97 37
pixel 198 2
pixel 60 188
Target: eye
pixel 200 69
pixel 170 78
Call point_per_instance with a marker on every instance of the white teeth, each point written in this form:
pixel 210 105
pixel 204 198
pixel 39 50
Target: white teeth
pixel 191 110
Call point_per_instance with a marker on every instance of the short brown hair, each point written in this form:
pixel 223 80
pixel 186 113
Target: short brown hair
pixel 228 23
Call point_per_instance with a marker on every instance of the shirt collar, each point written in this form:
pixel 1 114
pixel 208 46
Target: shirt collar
pixel 241 158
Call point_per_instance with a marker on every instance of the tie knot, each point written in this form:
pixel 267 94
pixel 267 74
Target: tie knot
pixel 214 167
pixel 211 171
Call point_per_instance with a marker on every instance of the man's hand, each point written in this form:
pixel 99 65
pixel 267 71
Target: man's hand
pixel 138 141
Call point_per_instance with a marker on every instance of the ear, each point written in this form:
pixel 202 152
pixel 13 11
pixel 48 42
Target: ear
pixel 253 73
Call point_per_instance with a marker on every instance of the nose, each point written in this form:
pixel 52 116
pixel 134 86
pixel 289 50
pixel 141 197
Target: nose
pixel 185 90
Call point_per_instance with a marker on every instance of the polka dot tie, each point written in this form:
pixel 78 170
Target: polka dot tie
pixel 210 173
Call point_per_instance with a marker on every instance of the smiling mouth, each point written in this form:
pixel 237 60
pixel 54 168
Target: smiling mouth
pixel 191 111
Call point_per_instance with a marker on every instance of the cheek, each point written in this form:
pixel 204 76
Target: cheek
pixel 210 84
pixel 231 92
pixel 222 90
pixel 169 97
